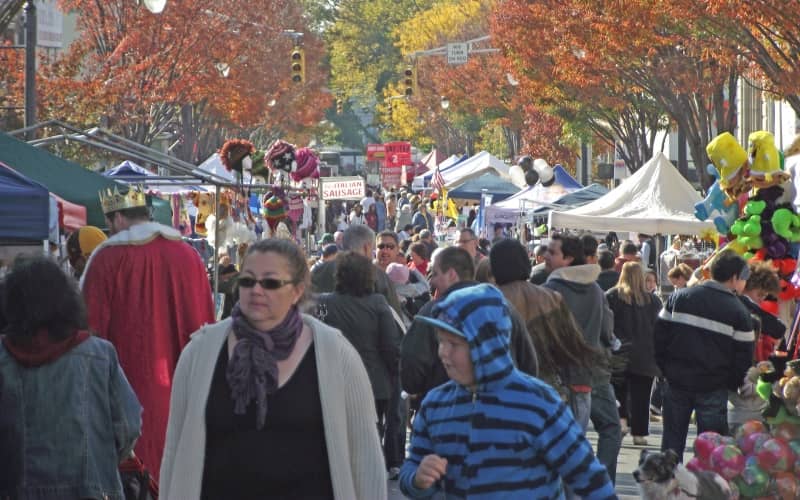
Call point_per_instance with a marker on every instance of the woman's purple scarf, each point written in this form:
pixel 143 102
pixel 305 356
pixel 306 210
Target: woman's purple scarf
pixel 253 369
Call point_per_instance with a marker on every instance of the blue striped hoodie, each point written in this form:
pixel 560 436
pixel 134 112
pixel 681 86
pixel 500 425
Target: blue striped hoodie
pixel 512 437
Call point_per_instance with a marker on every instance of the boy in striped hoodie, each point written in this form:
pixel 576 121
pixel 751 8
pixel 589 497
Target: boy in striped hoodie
pixel 493 431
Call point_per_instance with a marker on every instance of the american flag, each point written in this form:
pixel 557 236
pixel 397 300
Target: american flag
pixel 437 182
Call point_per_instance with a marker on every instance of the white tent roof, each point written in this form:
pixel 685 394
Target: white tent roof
pixel 474 167
pixel 654 200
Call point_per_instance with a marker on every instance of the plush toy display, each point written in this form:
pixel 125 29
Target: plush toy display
pixel 769 224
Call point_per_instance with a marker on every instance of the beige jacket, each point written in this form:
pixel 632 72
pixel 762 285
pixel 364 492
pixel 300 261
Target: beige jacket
pixel 348 414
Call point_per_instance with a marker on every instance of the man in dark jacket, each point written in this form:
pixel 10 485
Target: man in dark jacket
pixel 704 346
pixel 357 238
pixel 575 281
pixel 420 367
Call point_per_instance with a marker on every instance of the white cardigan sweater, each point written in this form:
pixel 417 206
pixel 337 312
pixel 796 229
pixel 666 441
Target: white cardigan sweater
pixel 348 415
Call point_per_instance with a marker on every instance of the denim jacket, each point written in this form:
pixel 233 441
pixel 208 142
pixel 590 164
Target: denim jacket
pixel 65 425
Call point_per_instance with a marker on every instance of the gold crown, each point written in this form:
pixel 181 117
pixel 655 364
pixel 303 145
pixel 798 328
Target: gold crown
pixel 114 200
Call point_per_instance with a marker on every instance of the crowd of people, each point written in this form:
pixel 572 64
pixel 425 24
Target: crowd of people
pixel 497 355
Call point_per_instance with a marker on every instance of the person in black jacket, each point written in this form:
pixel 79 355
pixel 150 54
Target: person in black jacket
pixel 366 320
pixel 704 346
pixel 420 367
pixel 635 312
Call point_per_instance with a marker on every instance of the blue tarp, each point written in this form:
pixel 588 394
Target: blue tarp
pixel 24 207
pixel 566 180
pixel 575 199
pixel 493 184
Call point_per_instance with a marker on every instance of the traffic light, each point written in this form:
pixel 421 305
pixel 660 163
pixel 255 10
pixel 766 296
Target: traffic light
pixel 339 106
pixel 298 65
pixel 410 80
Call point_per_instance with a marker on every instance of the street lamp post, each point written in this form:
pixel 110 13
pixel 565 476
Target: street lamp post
pixel 30 68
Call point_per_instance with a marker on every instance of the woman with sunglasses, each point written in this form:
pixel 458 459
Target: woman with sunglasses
pixel 271 403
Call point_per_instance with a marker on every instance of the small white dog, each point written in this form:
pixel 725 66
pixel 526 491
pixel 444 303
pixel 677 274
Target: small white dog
pixel 661 477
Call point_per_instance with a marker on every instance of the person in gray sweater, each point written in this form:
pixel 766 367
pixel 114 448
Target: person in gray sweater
pixel 576 282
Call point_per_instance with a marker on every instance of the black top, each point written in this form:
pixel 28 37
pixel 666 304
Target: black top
pixel 286 459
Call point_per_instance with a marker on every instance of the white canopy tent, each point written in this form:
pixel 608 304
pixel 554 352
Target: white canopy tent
pixel 654 200
pixel 423 180
pixel 476 166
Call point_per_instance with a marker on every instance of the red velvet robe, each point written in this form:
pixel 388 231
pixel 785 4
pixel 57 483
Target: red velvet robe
pixel 146 294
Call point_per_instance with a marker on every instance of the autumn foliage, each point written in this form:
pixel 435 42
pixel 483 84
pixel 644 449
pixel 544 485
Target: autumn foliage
pixel 228 60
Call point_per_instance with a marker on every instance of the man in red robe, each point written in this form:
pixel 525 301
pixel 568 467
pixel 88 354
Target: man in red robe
pixel 146 291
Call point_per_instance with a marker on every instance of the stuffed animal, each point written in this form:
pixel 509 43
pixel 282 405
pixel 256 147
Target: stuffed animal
pixel 204 202
pixel 717 205
pixel 791 395
pixel 765 160
pixel 730 159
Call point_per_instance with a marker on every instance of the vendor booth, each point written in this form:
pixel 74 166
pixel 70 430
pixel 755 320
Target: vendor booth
pixel 423 181
pixel 24 208
pixel 656 199
pixel 475 166
pixel 68 180
pixel 527 200
pixel 472 189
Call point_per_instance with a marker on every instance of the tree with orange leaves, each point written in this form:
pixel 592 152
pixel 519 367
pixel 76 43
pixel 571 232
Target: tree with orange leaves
pixel 199 71
pixel 763 32
pixel 615 57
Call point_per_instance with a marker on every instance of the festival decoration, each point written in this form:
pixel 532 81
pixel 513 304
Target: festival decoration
pixel 761 462
pixel 727 460
pixel 717 206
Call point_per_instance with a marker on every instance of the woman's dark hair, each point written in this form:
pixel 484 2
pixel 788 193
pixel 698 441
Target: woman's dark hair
pixel 419 249
pixel 288 249
pixel 355 274
pixel 509 262
pixel 39 295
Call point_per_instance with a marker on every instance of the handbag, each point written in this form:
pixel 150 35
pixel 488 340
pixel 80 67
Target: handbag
pixel 137 483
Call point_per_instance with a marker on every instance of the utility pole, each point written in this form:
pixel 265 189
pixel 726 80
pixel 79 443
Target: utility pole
pixel 30 68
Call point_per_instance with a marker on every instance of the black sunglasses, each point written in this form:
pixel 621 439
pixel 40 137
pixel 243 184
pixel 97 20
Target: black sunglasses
pixel 266 283
pixel 386 245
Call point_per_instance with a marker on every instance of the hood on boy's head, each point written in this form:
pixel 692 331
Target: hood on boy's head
pixel 480 315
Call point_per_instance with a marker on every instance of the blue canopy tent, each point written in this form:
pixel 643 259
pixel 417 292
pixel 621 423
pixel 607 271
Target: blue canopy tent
pixel 493 184
pixel 563 178
pixel 24 207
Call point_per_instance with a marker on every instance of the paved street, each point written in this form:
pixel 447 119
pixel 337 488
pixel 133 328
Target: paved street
pixel 628 460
